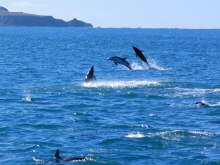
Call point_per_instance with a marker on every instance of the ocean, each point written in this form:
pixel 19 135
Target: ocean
pixel 125 117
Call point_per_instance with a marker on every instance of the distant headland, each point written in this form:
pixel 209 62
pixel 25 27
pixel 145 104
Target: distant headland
pixel 8 18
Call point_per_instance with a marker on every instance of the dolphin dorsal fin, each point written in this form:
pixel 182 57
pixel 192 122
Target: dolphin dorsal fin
pixel 57 154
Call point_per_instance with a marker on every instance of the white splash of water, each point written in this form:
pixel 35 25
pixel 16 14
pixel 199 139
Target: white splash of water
pixel 216 90
pixel 143 66
pixel 38 160
pixel 154 65
pixel 136 66
pixel 135 135
pixel 118 84
pixel 27 99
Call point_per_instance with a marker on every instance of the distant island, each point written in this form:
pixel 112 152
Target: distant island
pixel 8 18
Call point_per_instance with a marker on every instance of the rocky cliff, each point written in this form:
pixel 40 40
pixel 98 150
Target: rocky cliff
pixel 23 19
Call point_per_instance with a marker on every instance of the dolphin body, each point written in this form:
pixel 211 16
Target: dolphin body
pixel 90 75
pixel 140 54
pixel 118 60
pixel 202 104
pixel 58 158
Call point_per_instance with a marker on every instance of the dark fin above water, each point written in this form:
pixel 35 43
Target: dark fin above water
pixel 202 104
pixel 90 75
pixel 57 155
pixel 140 54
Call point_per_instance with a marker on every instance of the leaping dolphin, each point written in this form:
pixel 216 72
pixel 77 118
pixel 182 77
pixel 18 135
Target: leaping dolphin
pixel 90 75
pixel 119 60
pixel 58 158
pixel 140 54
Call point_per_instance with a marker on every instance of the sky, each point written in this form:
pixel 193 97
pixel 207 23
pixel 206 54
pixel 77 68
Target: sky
pixel 194 14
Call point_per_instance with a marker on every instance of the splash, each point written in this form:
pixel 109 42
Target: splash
pixel 136 66
pixel 118 84
pixel 143 66
pixel 38 160
pixel 135 135
pixel 217 90
pixel 216 104
pixel 27 99
pixel 154 65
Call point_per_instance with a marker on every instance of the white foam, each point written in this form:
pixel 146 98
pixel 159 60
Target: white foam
pixel 118 84
pixel 216 90
pixel 154 65
pixel 189 91
pixel 135 135
pixel 37 160
pixel 143 125
pixel 143 66
pixel 27 99
pixel 136 66
pixel 180 133
pixel 216 104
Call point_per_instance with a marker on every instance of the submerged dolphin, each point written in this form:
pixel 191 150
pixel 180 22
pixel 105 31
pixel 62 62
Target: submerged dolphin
pixel 58 158
pixel 90 75
pixel 119 60
pixel 140 54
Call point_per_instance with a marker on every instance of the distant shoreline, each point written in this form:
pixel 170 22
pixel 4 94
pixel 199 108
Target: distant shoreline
pixel 17 19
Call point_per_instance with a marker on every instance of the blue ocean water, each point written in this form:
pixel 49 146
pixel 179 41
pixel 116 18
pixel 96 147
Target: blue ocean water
pixel 138 117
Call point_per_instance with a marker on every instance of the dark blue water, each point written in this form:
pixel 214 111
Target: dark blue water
pixel 126 117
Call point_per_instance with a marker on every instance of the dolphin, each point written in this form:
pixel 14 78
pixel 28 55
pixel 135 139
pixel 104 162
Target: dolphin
pixel 58 158
pixel 90 75
pixel 202 104
pixel 119 60
pixel 140 54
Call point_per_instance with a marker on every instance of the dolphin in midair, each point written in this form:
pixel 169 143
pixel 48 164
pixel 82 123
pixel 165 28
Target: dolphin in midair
pixel 90 75
pixel 140 54
pixel 58 158
pixel 118 60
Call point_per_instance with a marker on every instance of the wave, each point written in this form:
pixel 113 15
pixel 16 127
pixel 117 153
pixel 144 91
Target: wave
pixel 177 135
pixel 174 134
pixel 118 84
pixel 195 92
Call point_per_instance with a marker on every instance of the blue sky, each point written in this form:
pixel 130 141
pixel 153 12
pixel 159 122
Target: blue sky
pixel 127 13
